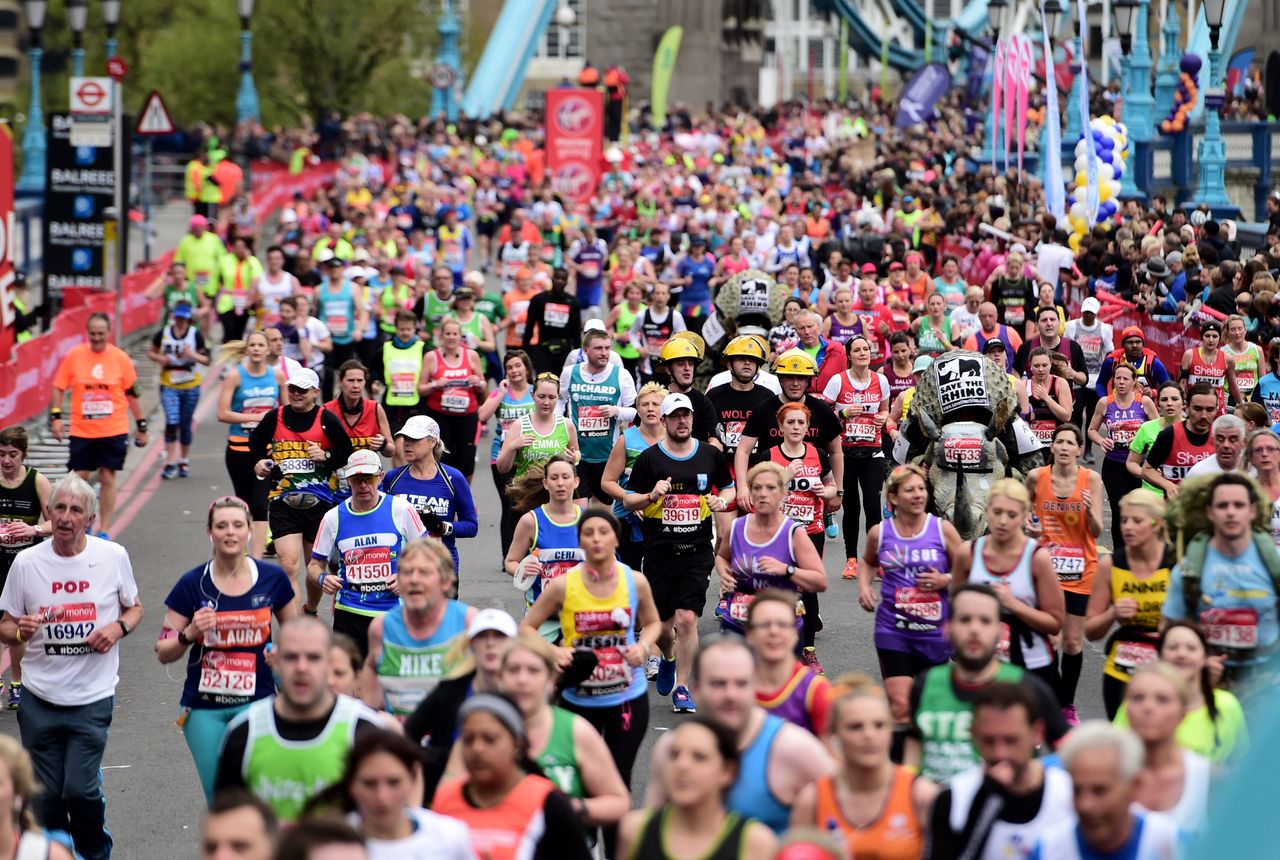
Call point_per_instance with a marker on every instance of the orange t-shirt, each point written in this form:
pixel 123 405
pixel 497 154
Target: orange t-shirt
pixel 98 381
pixel 896 834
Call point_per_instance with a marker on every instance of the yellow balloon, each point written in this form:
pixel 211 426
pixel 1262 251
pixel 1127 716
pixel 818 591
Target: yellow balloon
pixel 1082 179
pixel 1104 192
pixel 1073 241
pixel 1078 224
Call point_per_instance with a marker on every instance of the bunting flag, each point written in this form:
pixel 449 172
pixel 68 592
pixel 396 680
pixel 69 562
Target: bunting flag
pixel 997 91
pixel 1092 201
pixel 1024 87
pixel 664 66
pixel 1055 196
pixel 1010 94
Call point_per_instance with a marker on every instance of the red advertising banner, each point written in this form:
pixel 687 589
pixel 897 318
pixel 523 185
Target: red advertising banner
pixel 7 319
pixel 575 142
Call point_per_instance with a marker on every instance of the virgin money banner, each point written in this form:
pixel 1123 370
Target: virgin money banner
pixel 575 141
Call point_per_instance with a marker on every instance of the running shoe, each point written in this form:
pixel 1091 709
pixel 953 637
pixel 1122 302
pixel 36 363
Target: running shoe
pixel 15 695
pixel 184 469
pixel 682 702
pixel 170 471
pixel 651 667
pixel 666 676
pixel 809 657
pixel 1071 716
pixel 851 569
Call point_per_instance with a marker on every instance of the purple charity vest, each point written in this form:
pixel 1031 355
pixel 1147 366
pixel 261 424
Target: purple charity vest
pixel 904 609
pixel 1122 426
pixel 841 332
pixel 792 701
pixel 744 559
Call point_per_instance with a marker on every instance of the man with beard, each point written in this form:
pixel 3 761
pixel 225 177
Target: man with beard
pixel 1149 369
pixel 1003 805
pixel 942 699
pixel 778 758
pixel 1104 762
pixel 1182 444
pixel 680 358
pixel 736 400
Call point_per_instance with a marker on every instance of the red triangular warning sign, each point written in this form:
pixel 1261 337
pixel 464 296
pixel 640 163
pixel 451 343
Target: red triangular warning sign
pixel 154 118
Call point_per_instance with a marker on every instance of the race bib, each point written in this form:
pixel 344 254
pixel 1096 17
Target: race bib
pixel 297 466
pixel 960 451
pixel 67 628
pixel 861 430
pixel 1122 432
pixel 202 278
pixel 732 434
pixel 1130 655
pixel 1068 562
pixel 240 628
pixel 239 301
pixel 681 509
pixel 557 315
pixel 454 402
pixel 7 540
pixel 1230 628
pixel 1015 315
pixel 611 672
pixel 97 404
pixel 590 269
pixel 1246 380
pixel 1044 430
pixel 256 406
pixel 338 325
pixel 367 569
pixel 917 602
pixel 180 376
pixel 228 673
pixel 801 508
pixel 593 421
pixel 739 607
pixel 404 384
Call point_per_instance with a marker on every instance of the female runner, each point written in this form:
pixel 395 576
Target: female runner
pixel 250 388
pixel 1169 403
pixel 452 378
pixel 702 766
pixel 880 808
pixel 1250 364
pixel 1262 454
pixel 933 330
pixel 1208 363
pixel 621 319
pixel 766 549
pixel 1021 572
pixel 912 553
pixel 1173 780
pixel 223 608
pixel 540 434
pixel 626 448
pixel 1067 499
pixel 841 324
pixel 509 402
pixel 1129 591
pixel 545 544
pixel 601 604
pixel 18 796
pixel 810 486
pixel 502 800
pixel 1122 413
pixel 1049 396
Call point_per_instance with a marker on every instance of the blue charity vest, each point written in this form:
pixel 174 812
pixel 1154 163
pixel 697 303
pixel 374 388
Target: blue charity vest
pixel 369 547
pixel 253 394
pixel 750 796
pixel 595 431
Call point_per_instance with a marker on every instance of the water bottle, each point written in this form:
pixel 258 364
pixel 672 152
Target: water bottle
pixel 836 837
pixel 833 529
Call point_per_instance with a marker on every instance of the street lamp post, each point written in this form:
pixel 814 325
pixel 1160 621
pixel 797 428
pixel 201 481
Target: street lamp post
pixel 1131 25
pixel 1168 67
pixel 443 100
pixel 77 17
pixel 1053 12
pixel 247 97
pixel 111 17
pixel 1211 186
pixel 996 10
pixel 33 143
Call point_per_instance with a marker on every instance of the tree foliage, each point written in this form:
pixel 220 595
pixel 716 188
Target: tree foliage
pixel 309 57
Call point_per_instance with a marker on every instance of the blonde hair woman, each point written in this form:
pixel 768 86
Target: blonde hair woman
pixel 1021 573
pixel 19 832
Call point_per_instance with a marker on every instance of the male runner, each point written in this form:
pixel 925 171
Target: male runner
pixel 599 398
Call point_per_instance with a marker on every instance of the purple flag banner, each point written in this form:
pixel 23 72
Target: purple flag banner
pixel 927 85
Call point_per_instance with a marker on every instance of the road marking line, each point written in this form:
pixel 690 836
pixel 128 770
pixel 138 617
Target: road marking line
pixel 116 766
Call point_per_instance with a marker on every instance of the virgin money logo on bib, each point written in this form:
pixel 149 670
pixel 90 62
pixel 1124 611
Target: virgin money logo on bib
pixel 574 115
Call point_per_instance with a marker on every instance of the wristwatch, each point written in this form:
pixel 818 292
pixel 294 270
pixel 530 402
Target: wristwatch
pixel 791 570
pixel 182 637
pixel 839 493
pixel 123 626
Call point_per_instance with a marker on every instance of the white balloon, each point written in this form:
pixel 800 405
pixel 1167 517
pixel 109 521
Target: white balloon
pixel 1077 209
pixel 1082 148
pixel 1105 172
pixel 1082 162
pixel 1115 188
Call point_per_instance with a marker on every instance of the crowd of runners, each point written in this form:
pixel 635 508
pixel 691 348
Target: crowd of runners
pixel 440 304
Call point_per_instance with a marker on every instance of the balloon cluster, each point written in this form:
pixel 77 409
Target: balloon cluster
pixel 1111 144
pixel 1184 99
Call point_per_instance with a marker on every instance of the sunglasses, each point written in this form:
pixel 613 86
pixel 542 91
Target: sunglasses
pixel 542 376
pixel 293 389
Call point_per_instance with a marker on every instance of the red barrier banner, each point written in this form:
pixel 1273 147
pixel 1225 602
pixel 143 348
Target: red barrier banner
pixel 575 141
pixel 7 313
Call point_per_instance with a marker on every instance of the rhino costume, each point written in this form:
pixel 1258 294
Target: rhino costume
pixel 964 423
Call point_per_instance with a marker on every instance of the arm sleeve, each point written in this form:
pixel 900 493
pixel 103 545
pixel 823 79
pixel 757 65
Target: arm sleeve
pixel 1161 448
pixel 467 523
pixel 325 535
pixel 1077 359
pixel 1104 376
pixel 230 758
pixel 722 478
pixel 1159 372
pixel 677 321
pixel 563 838
pixel 406 517
pixel 832 389
pixel 128 585
pixel 1175 604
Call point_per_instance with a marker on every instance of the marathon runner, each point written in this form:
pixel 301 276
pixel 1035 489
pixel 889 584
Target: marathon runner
pixel 539 434
pixel 103 384
pixel 679 358
pixel 24 522
pixel 599 399
pixel 553 324
pixel 453 381
pixel 785 687
pixel 545 544
pixel 402 359
pixel 218 615
pixel 508 402
pixel 178 348
pixel 649 431
pixel 1246 358
pixel 677 485
pixel 1122 413
pixel 1181 445
pixel 653 328
pixel 366 533
pixel 364 420
pixel 737 399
